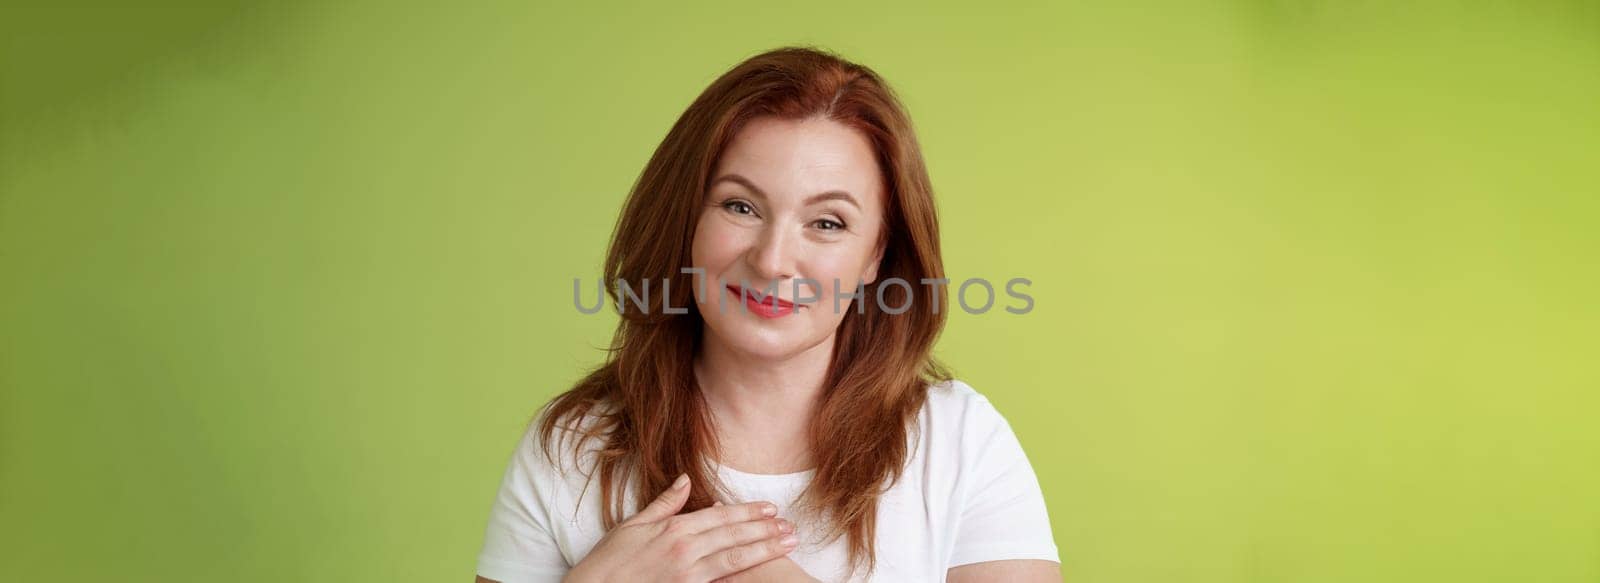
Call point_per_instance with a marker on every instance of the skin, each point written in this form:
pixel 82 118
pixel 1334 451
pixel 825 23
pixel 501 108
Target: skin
pixel 761 377
pixel 764 223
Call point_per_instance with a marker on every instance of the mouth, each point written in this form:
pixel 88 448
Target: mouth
pixel 764 306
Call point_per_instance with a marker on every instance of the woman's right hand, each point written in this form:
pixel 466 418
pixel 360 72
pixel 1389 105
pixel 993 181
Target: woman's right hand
pixel 657 544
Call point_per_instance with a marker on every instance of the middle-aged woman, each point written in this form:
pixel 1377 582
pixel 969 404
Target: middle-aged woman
pixel 771 411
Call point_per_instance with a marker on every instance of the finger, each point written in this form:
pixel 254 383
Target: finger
pixel 732 535
pixel 739 558
pixel 665 505
pixel 711 517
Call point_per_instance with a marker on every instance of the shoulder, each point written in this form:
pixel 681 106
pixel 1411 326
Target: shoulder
pixel 568 453
pixel 959 425
pixel 953 390
pixel 555 477
pixel 556 457
pixel 954 403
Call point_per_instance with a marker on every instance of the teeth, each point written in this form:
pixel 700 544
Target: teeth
pixel 755 295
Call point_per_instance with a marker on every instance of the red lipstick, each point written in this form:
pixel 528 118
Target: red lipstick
pixel 764 306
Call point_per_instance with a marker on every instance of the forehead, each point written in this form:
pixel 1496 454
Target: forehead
pixel 798 158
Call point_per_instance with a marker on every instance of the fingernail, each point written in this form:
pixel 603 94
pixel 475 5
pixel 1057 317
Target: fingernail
pixel 683 480
pixel 789 541
pixel 769 510
pixel 785 526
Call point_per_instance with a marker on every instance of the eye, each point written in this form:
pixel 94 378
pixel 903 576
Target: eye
pixel 739 207
pixel 828 224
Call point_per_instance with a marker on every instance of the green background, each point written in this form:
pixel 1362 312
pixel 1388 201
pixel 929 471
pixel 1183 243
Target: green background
pixel 1316 282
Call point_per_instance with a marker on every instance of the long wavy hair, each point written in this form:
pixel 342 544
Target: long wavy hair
pixel 644 404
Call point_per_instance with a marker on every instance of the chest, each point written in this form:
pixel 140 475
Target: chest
pixel 913 529
pixel 776 452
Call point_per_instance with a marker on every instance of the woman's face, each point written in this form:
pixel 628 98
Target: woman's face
pixel 793 207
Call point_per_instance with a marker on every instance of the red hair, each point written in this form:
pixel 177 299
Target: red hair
pixel 646 406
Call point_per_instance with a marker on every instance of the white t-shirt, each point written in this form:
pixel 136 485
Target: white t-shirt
pixel 968 495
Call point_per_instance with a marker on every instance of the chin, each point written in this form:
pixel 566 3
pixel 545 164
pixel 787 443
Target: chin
pixel 767 343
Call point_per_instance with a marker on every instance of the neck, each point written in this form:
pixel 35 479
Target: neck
pixel 765 401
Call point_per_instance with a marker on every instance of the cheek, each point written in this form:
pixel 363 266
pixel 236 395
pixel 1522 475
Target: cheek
pixel 844 265
pixel 716 244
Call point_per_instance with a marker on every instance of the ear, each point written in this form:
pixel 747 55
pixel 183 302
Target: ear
pixel 870 274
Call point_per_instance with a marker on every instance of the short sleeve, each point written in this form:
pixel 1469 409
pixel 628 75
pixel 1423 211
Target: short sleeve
pixel 519 544
pixel 1003 513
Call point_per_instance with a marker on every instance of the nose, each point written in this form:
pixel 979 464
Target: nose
pixel 772 257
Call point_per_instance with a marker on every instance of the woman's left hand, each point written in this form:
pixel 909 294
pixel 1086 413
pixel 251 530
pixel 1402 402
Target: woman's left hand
pixel 779 570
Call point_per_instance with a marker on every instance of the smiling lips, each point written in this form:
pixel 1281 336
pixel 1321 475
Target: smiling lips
pixel 766 307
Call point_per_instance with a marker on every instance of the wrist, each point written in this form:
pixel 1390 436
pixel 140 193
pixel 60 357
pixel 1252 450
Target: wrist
pixel 580 574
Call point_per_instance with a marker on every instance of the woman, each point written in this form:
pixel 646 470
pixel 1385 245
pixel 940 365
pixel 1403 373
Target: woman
pixel 774 405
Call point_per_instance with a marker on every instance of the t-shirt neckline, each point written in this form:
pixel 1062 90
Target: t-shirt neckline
pixel 767 478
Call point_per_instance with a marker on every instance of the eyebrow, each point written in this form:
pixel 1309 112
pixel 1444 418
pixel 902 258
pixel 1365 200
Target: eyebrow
pixel 810 200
